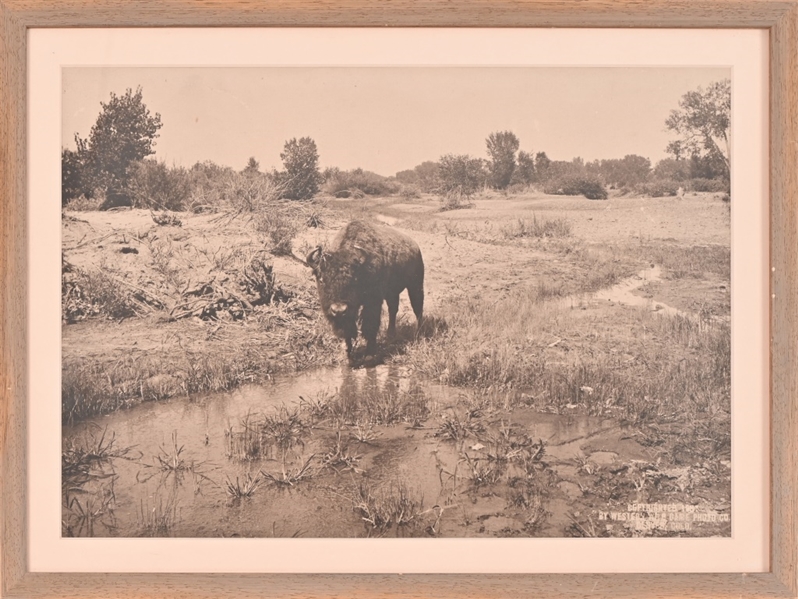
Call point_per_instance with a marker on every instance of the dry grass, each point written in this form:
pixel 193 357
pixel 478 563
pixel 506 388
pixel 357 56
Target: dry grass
pixel 538 228
pixel 666 375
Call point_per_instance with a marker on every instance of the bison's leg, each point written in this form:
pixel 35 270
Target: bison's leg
pixel 393 308
pixel 370 324
pixel 416 293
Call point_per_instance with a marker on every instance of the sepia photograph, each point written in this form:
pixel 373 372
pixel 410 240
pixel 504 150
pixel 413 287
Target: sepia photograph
pixel 378 302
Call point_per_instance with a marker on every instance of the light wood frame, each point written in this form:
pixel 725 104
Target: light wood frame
pixel 779 16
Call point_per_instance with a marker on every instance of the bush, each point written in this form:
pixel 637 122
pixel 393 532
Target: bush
pixel 84 204
pixel 657 188
pixel 210 186
pixel 711 185
pixel 151 184
pixel 85 294
pixel 365 181
pixel 573 185
pixel 247 192
pixel 280 222
pixel 410 192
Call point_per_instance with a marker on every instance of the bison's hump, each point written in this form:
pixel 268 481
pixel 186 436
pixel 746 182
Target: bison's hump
pixel 377 240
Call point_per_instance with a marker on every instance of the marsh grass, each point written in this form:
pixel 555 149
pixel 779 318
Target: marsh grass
pixel 90 511
pixel 339 458
pixel 291 476
pixel 457 427
pixel 169 457
pixel 90 387
pixel 369 407
pixel 364 434
pixel 241 488
pixel 279 435
pixel 170 463
pixel 394 505
pixel 86 456
pixel 87 481
pixel 158 519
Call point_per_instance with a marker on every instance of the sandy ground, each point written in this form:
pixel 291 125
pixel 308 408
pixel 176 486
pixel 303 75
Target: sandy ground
pixel 127 244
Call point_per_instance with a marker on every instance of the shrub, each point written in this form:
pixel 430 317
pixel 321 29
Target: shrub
pixel 369 183
pixel 657 188
pixel 92 293
pixel 410 192
pixel 711 185
pixel 574 185
pixel 84 204
pixel 151 184
pixel 249 192
pixel 209 186
pixel 281 224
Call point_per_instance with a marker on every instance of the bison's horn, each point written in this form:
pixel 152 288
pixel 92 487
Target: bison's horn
pixel 314 257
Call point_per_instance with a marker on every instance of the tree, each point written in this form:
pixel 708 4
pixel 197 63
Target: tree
pixel 672 169
pixel 502 146
pixel 428 175
pixel 301 178
pixel 124 133
pixel 72 184
pixel 542 164
pixel 252 168
pixel 525 170
pixel 703 124
pixel 627 172
pixel 460 175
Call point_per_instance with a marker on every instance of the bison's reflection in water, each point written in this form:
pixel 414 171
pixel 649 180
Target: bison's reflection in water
pixel 380 396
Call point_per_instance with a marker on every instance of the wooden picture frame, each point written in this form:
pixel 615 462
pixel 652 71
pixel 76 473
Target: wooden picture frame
pixel 779 17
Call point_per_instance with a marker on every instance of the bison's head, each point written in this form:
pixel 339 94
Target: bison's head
pixel 338 279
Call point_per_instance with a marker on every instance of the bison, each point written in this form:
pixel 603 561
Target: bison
pixel 366 265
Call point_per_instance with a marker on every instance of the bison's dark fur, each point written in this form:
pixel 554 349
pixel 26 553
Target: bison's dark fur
pixel 366 265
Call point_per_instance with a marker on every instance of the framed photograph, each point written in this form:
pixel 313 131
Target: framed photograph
pixel 581 382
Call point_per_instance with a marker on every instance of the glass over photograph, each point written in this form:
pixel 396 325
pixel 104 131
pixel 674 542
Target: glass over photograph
pixel 396 302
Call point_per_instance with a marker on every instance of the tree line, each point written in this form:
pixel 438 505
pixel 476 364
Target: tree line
pixel 112 166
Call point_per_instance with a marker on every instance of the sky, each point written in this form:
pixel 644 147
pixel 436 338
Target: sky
pixel 387 119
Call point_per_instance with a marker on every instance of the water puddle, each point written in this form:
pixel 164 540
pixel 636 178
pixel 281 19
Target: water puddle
pixel 175 478
pixel 345 453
